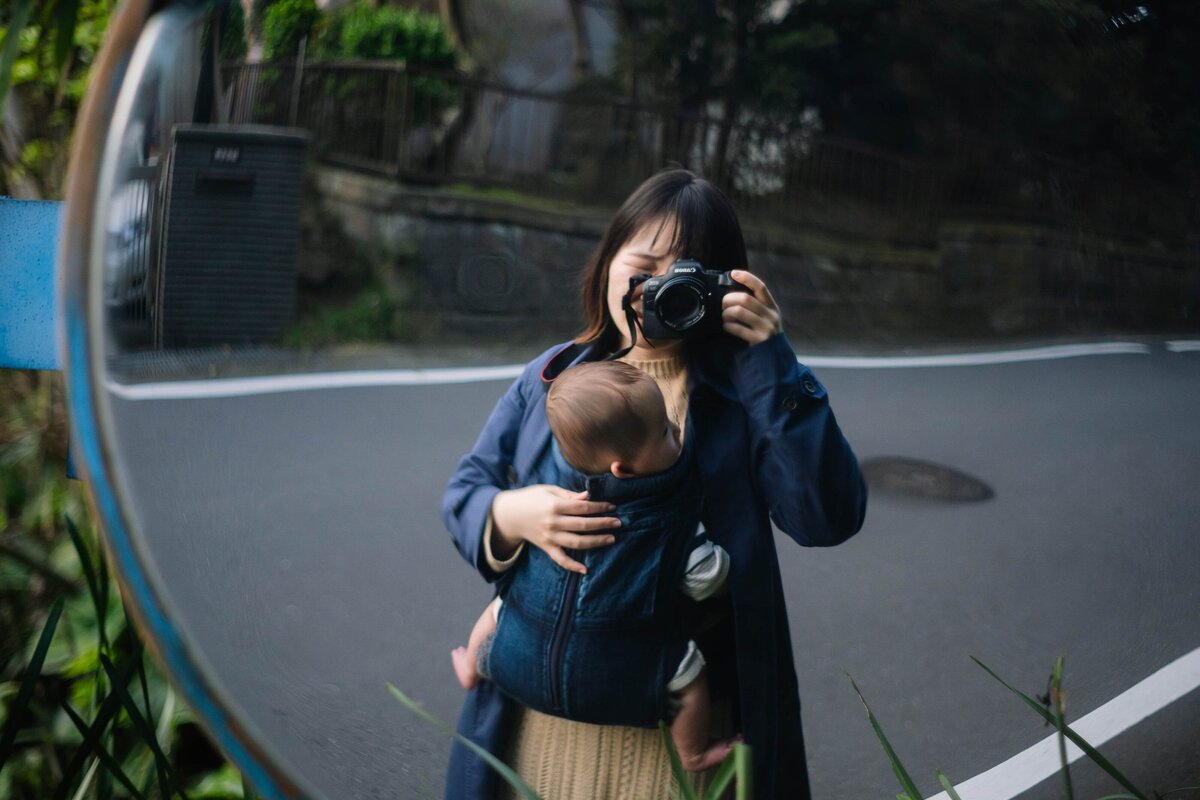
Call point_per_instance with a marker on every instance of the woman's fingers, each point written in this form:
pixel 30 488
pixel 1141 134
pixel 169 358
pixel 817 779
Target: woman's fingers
pixel 573 524
pixel 755 285
pixel 559 556
pixel 745 324
pixel 577 542
pixel 576 503
pixel 752 315
pixel 750 303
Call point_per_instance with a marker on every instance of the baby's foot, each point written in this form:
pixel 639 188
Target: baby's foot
pixel 464 668
pixel 714 755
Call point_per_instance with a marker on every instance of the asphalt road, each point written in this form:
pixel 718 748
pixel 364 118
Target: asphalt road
pixel 297 542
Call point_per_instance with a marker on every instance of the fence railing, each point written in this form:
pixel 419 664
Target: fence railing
pixel 424 126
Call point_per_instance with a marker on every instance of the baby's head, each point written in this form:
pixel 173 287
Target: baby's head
pixel 610 417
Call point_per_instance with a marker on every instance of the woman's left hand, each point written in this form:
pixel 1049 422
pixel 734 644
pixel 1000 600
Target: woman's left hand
pixel 752 315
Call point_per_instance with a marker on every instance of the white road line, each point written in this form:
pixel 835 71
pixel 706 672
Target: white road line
pixel 976 359
pixel 1030 767
pixel 270 384
pixel 1183 345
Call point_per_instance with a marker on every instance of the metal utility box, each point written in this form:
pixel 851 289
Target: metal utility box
pixel 231 234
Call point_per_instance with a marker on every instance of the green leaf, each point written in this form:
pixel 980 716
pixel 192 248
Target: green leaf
pixel 949 787
pixel 906 783
pixel 16 711
pixel 686 790
pixel 1079 741
pixel 104 716
pixel 106 758
pixel 64 31
pixel 1056 698
pixel 220 784
pixel 724 776
pixel 89 574
pixel 745 784
pixel 10 47
pixel 514 780
pixel 166 772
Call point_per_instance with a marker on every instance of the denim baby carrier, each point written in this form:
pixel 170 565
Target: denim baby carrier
pixel 601 647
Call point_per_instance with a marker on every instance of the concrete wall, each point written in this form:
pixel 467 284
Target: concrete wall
pixel 494 267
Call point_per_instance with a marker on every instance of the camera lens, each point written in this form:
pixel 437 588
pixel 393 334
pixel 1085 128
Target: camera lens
pixel 680 304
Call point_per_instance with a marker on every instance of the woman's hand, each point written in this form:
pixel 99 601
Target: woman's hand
pixel 752 315
pixel 549 517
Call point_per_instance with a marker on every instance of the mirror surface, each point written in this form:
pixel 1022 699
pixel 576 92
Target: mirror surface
pixel 312 276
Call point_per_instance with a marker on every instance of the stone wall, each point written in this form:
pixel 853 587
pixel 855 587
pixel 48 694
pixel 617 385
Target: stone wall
pixel 483 266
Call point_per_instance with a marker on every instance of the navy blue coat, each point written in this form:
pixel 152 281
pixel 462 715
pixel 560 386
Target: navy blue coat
pixel 766 443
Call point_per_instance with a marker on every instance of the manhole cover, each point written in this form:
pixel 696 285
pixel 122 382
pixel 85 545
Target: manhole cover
pixel 923 479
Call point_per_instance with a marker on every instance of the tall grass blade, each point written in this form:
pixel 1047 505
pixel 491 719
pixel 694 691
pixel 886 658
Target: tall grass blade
pixel 949 787
pixel 84 784
pixel 728 771
pixel 686 790
pixel 1079 741
pixel 745 781
pixel 52 577
pixel 514 780
pixel 89 576
pixel 16 711
pixel 1056 700
pixel 64 31
pixel 106 758
pixel 104 716
pixel 906 782
pixel 166 772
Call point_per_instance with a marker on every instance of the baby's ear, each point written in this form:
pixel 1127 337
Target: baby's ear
pixel 619 470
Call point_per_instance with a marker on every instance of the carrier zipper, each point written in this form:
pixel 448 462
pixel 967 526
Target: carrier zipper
pixel 558 642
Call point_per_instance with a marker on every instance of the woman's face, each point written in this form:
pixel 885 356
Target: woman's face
pixel 644 254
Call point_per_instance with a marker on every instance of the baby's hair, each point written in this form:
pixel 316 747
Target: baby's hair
pixel 597 411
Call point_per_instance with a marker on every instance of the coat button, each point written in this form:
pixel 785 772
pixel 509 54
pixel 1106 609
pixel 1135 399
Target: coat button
pixel 790 403
pixel 810 386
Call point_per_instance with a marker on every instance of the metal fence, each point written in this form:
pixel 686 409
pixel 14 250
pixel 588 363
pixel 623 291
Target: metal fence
pixel 422 126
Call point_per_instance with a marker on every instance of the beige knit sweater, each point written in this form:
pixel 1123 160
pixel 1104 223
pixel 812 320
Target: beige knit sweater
pixel 565 760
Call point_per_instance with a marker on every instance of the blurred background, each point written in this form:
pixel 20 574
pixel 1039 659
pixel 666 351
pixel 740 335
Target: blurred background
pixel 309 187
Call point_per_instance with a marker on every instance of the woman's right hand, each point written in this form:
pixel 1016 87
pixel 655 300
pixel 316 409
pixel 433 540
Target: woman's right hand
pixel 551 518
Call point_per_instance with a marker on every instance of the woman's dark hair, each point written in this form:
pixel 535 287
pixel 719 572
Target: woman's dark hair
pixel 707 230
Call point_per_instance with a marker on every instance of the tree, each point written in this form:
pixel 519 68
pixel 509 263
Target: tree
pixel 46 50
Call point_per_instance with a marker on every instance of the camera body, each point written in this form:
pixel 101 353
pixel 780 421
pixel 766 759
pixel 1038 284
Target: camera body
pixel 685 301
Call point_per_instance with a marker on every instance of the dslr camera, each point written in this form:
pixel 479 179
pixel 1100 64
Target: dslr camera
pixel 685 302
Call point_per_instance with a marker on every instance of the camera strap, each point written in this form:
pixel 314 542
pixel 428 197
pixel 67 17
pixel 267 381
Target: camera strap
pixel 631 320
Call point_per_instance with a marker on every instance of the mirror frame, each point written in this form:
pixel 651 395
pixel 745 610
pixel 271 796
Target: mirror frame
pixel 81 344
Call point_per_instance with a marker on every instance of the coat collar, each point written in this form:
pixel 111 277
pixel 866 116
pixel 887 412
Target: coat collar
pixel 566 356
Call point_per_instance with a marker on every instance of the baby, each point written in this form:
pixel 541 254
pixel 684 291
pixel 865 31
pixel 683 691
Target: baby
pixel 608 646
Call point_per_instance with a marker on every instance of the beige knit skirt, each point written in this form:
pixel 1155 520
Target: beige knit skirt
pixel 564 760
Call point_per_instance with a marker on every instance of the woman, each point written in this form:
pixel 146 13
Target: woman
pixel 768 448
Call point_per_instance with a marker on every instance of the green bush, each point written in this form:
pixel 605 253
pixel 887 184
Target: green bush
pixel 233 32
pixel 286 23
pixel 360 31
